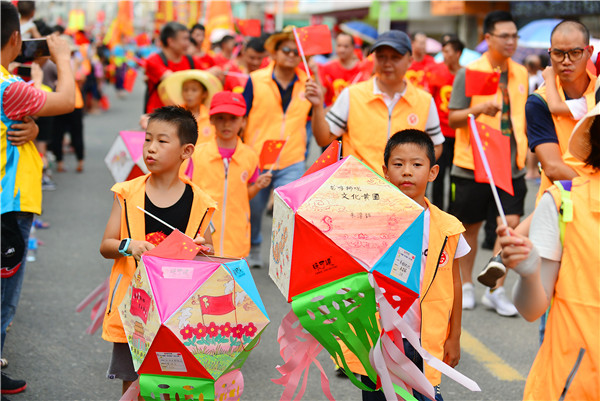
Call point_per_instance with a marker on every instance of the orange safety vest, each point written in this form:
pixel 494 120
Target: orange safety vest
pixel 437 290
pixel 518 84
pixel 206 131
pixel 564 127
pixel 370 124
pixel 267 120
pixel 130 195
pixel 232 216
pixel 574 319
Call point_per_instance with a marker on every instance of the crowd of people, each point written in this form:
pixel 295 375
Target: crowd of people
pixel 208 115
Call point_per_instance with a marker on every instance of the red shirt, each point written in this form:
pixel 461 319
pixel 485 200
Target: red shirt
pixel 416 71
pixel 335 78
pixel 438 81
pixel 155 68
pixel 21 99
pixel 205 62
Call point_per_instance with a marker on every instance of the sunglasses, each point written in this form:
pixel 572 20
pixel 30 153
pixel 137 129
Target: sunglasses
pixel 288 50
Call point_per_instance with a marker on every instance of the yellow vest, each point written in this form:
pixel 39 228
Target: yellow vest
pixel 232 216
pixel 130 195
pixel 564 127
pixel 437 290
pixel 267 120
pixel 206 131
pixel 574 319
pixel 370 124
pixel 518 84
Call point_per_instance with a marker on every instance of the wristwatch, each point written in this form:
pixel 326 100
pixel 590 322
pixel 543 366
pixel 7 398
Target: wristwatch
pixel 124 246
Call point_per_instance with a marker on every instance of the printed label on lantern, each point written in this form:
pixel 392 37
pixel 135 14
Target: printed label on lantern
pixel 171 362
pixel 184 273
pixel 402 265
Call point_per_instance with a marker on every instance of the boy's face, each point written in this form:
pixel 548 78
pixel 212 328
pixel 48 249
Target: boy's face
pixel 163 151
pixel 193 93
pixel 409 169
pixel 227 126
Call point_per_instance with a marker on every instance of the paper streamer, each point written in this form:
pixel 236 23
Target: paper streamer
pixel 230 386
pixel 392 322
pixel 299 350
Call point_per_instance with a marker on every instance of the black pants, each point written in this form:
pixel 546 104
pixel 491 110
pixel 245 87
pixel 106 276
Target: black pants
pixel 73 124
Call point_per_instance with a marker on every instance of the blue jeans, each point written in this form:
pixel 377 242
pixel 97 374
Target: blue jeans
pixel 259 202
pixel 11 286
pixel 414 356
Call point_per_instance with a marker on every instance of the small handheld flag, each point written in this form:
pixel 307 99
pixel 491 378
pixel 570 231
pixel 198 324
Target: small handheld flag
pixel 486 166
pixel 270 152
pixel 328 157
pixel 480 83
pixel 314 39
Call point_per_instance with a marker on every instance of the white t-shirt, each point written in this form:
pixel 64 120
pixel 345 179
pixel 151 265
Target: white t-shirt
pixel 413 314
pixel 337 116
pixel 544 232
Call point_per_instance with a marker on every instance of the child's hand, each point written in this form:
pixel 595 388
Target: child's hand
pixel 137 248
pixel 452 351
pixel 204 249
pixel 264 180
pixel 549 75
pixel 515 248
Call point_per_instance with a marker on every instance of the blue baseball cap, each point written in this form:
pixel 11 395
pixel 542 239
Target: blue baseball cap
pixel 397 40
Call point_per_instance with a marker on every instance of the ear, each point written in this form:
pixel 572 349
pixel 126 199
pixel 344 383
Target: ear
pixel 187 151
pixel 433 173
pixel 385 172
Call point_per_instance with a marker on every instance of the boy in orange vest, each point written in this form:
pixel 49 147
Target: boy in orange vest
pixel 170 138
pixel 410 164
pixel 227 170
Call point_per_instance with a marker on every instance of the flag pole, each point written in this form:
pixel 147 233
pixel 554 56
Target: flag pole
pixel 488 171
pixel 301 50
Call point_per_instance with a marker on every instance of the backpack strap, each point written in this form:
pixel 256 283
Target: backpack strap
pixel 190 61
pixel 566 206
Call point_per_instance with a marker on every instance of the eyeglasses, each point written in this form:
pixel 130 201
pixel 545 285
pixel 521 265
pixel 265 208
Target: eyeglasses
pixel 288 50
pixel 506 36
pixel 574 54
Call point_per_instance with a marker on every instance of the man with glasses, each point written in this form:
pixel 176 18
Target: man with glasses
pixel 549 130
pixel 504 110
pixel 366 114
pixel 277 110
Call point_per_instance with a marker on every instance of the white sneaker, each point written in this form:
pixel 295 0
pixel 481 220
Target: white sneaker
pixel 468 296
pixel 499 301
pixel 254 259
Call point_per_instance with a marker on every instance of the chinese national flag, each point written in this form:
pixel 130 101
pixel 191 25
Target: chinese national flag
pixel 327 158
pixel 219 305
pixel 270 152
pixel 249 27
pixel 478 83
pixel 497 152
pixel 176 246
pixel 314 39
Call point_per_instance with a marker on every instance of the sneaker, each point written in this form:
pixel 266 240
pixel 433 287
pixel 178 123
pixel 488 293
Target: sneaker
pixel 498 300
pixel 255 258
pixel 468 296
pixel 47 184
pixel 492 272
pixel 12 386
pixel 3 363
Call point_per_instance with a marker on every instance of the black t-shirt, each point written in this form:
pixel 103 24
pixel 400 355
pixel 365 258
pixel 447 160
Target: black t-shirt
pixel 177 215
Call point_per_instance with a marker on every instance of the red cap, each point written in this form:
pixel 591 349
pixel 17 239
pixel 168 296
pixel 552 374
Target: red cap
pixel 228 102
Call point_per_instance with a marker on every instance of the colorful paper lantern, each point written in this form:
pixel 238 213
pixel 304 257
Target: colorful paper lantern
pixel 125 158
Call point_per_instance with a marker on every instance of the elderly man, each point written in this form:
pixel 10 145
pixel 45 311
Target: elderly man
pixel 366 114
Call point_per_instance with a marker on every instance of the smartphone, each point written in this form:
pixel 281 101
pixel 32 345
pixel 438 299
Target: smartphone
pixel 32 49
pixel 24 70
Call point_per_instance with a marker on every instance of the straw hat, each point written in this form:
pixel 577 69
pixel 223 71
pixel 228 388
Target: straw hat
pixel 286 34
pixel 579 144
pixel 170 88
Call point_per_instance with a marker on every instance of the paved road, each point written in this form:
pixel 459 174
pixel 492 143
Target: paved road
pixel 47 344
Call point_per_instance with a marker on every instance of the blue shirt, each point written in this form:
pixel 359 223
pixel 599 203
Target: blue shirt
pixel 540 126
